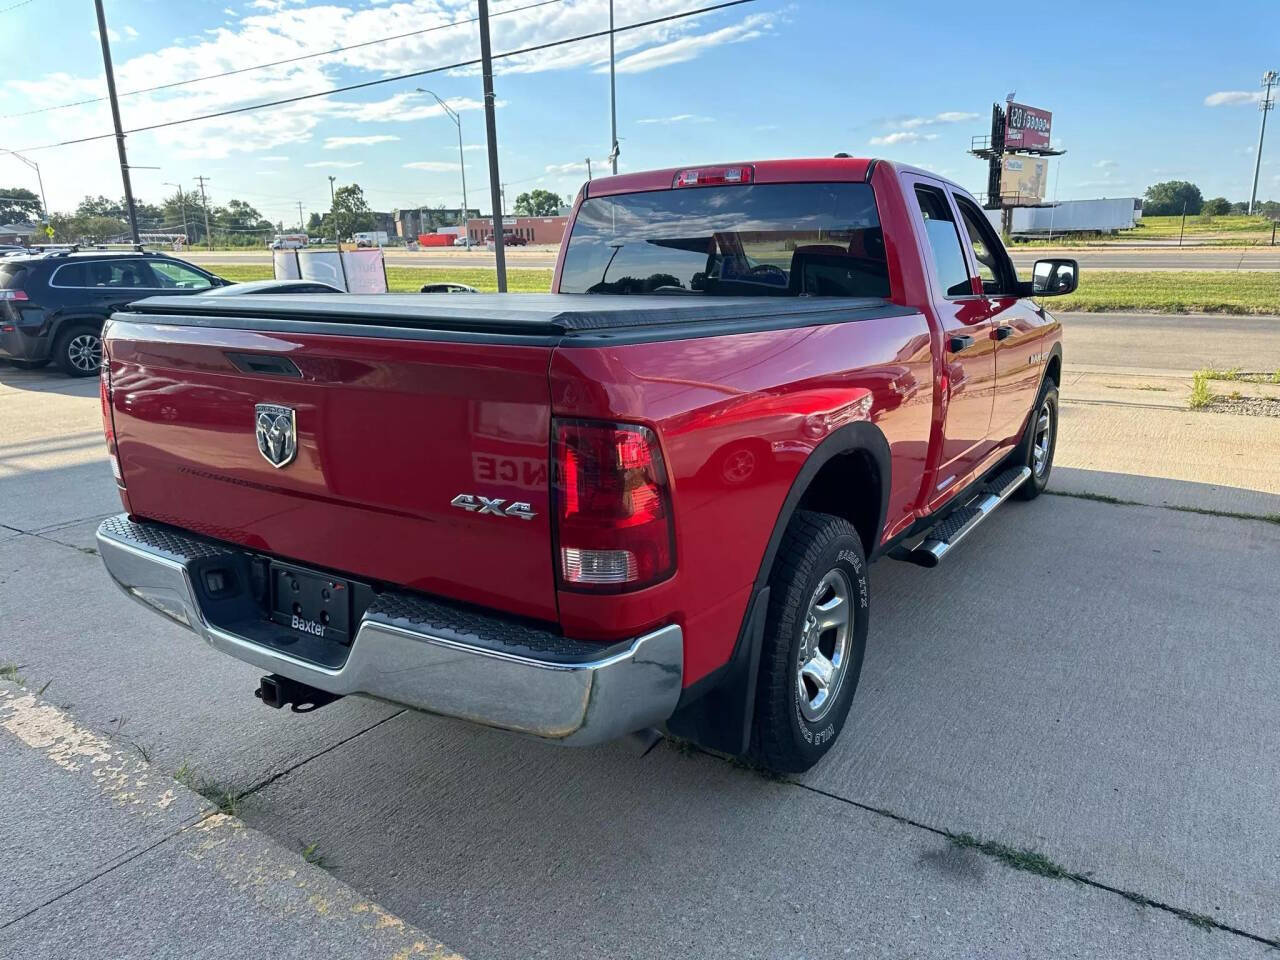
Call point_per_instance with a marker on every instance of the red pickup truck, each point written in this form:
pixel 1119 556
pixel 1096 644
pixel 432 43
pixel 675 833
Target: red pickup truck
pixel 645 500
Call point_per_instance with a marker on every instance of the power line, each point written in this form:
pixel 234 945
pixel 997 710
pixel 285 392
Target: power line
pixel 404 76
pixel 273 63
pixel 15 6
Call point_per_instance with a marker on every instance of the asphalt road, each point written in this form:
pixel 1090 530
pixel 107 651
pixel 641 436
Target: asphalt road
pixel 1093 682
pixel 1096 258
pixel 1184 343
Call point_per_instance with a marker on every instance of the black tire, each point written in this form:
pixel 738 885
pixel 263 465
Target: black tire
pixel 30 364
pixel 787 736
pixel 1025 453
pixel 75 347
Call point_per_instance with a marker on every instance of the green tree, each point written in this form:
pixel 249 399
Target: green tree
pixel 18 205
pixel 101 206
pixel 1216 207
pixel 352 211
pixel 538 203
pixel 73 228
pixel 1167 199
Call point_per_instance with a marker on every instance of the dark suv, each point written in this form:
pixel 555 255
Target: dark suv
pixel 53 306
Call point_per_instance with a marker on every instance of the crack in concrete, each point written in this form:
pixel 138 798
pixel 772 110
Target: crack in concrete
pixel 1190 916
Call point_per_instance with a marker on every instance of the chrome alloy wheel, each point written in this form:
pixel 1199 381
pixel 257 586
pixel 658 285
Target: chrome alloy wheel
pixel 824 646
pixel 85 352
pixel 1042 442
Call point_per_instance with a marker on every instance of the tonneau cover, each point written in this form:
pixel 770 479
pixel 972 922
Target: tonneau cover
pixel 519 313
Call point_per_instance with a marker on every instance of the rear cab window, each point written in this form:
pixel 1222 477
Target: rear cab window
pixel 748 240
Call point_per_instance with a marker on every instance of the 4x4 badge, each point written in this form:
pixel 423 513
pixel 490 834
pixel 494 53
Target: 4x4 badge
pixel 277 433
pixel 474 503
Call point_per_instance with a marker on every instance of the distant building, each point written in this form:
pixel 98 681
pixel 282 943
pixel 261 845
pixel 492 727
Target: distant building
pixel 531 229
pixel 17 232
pixel 408 223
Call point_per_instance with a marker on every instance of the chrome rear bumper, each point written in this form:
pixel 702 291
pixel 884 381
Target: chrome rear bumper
pixel 425 655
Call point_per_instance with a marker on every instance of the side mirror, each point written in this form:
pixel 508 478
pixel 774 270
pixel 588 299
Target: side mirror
pixel 1054 278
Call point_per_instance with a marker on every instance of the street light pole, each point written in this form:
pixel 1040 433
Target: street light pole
pixel 613 101
pixel 462 167
pixel 44 204
pixel 333 212
pixel 1269 80
pixel 182 202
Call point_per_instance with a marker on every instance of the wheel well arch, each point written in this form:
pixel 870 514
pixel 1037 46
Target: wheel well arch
pixel 853 458
pixel 1053 369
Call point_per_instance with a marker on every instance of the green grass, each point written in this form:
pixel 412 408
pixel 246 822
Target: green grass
pixel 1174 291
pixel 1236 375
pixel 1222 227
pixel 410 279
pixel 12 673
pixel 1028 860
pixel 1200 395
pixel 1205 511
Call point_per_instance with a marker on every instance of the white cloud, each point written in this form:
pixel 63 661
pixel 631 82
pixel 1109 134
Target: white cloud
pixel 947 116
pixel 434 166
pixel 678 118
pixel 275 159
pixel 580 166
pixel 1104 164
pixel 337 143
pixel 335 164
pixel 903 136
pixel 687 48
pixel 1229 98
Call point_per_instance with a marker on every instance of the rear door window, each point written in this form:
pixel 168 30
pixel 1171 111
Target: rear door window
pixel 944 241
pixel 109 274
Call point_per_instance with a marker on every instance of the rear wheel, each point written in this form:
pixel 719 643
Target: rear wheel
pixel 1039 441
pixel 78 351
pixel 814 641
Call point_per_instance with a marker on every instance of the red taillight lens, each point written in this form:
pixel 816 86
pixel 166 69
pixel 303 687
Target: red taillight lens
pixel 108 423
pixel 613 506
pixel 713 176
pixel 13 295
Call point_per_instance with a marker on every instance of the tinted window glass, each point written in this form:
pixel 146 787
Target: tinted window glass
pixel 948 257
pixel 986 248
pixel 170 276
pixel 125 274
pixel 794 239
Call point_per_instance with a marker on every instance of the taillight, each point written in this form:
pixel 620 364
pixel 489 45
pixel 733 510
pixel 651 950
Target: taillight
pixel 613 506
pixel 713 176
pixel 108 422
pixel 13 295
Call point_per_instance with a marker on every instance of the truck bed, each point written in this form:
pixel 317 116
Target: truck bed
pixel 534 315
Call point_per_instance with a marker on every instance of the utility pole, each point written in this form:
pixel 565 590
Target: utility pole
pixel 115 116
pixel 491 131
pixel 613 101
pixel 503 191
pixel 302 225
pixel 182 202
pixel 588 168
pixel 1269 80
pixel 204 202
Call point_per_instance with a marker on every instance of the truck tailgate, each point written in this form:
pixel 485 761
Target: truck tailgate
pixel 389 432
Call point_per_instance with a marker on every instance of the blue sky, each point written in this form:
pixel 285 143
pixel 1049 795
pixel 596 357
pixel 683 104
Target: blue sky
pixel 1137 95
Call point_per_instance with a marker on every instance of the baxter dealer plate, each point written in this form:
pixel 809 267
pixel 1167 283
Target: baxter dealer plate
pixel 311 603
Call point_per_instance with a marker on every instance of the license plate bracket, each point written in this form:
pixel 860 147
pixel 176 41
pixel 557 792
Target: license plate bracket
pixel 310 603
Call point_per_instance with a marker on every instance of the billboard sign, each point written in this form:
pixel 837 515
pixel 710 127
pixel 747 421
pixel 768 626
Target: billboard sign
pixel 1026 128
pixel 1023 180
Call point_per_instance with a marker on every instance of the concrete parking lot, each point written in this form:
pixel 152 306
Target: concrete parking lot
pixel 1064 742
